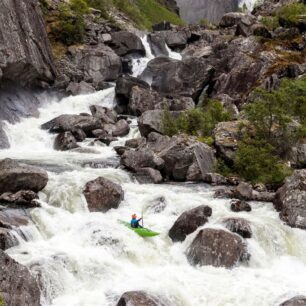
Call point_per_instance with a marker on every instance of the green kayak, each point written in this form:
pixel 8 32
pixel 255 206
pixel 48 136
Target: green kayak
pixel 143 232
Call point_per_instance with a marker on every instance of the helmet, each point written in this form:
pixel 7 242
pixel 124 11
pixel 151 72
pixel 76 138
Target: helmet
pixel 134 216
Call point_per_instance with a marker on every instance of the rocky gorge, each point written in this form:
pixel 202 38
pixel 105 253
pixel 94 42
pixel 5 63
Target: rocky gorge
pixel 85 142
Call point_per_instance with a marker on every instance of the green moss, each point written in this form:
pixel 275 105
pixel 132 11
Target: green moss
pixel 271 22
pixel 290 14
pixel 2 301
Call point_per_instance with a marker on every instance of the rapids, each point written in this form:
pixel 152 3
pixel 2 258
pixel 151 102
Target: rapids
pixel 89 259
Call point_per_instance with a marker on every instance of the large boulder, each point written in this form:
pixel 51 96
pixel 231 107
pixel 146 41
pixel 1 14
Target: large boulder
pixel 106 115
pixel 149 176
pixel 295 301
pixel 138 298
pixel 290 200
pixel 65 141
pixel 25 54
pixel 124 43
pixel 240 205
pixel 234 18
pixel 102 195
pixel 218 248
pixel 17 285
pixel 15 177
pixel 187 77
pixel 121 128
pixel 189 221
pixel 150 121
pixel 25 198
pixel 66 123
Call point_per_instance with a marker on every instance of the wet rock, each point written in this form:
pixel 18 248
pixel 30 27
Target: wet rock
pixel 120 150
pixel 158 44
pixel 85 150
pixel 244 191
pixel 122 128
pixel 143 158
pixel 15 176
pixel 79 88
pixel 13 218
pixel 187 77
pixel 239 205
pixel 26 57
pixel 214 179
pixel 78 134
pixel 295 301
pixel 66 123
pixel 158 205
pixel 218 248
pixel 135 142
pixel 124 86
pixel 65 141
pixel 162 26
pixel 227 135
pixel 17 285
pixel 239 226
pixel 106 115
pixel 290 200
pixel 6 239
pixel 148 176
pixel 102 195
pixel 124 43
pixel 235 18
pixel 4 142
pixel 188 222
pixel 21 198
pixel 138 298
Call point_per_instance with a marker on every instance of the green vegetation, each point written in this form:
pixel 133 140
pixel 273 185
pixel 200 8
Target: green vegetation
pixel 291 13
pixel 196 122
pixel 271 22
pixel 1 301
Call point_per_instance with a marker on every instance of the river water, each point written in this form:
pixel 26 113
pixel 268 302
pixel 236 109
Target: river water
pixel 89 259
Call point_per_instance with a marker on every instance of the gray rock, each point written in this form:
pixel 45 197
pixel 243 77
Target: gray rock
pixel 295 301
pixel 124 43
pixel 239 226
pixel 122 128
pixel 189 221
pixel 135 142
pixel 238 205
pixel 138 298
pixel 297 155
pixel 15 177
pixel 187 77
pixel 21 198
pixel 158 44
pixel 17 285
pixel 102 195
pixel 234 18
pixel 65 141
pixel 290 200
pixel 214 179
pixel 79 88
pixel 66 123
pixel 25 54
pixel 148 176
pixel 106 115
pixel 218 248
pixel 150 121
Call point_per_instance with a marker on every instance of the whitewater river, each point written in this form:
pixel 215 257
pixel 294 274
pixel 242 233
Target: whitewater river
pixel 89 259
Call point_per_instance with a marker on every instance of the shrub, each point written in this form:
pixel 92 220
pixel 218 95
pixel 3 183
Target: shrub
pixel 289 14
pixel 1 301
pixel 197 122
pixel 271 22
pixel 101 5
pixel 256 162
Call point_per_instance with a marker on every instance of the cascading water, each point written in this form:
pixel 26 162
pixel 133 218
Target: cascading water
pixel 89 259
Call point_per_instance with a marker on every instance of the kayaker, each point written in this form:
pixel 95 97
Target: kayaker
pixel 135 221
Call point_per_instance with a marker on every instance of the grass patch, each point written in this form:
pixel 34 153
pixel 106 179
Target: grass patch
pixel 289 15
pixel 271 22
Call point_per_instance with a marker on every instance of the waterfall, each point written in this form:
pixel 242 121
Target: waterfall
pixel 89 259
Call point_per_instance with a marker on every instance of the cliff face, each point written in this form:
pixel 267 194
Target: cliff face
pixel 192 11
pixel 25 55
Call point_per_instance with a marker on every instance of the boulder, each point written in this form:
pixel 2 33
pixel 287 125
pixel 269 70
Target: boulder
pixel 239 226
pixel 102 195
pixel 66 123
pixel 25 53
pixel 235 18
pixel 295 301
pixel 65 141
pixel 121 129
pixel 135 142
pixel 120 150
pixel 189 221
pixel 21 198
pixel 227 135
pixel 215 179
pixel 238 205
pixel 17 285
pixel 6 240
pixel 143 158
pixel 158 44
pixel 290 200
pixel 106 115
pixel 148 176
pixel 164 25
pixel 218 248
pixel 75 88
pixel 78 134
pixel 138 298
pixel 244 191
pixel 124 86
pixel 15 176
pixel 150 121
pixel 187 77
pixel 124 43
pixel 298 155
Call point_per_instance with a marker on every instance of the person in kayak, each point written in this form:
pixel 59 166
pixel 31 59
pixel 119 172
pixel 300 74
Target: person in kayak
pixel 135 222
